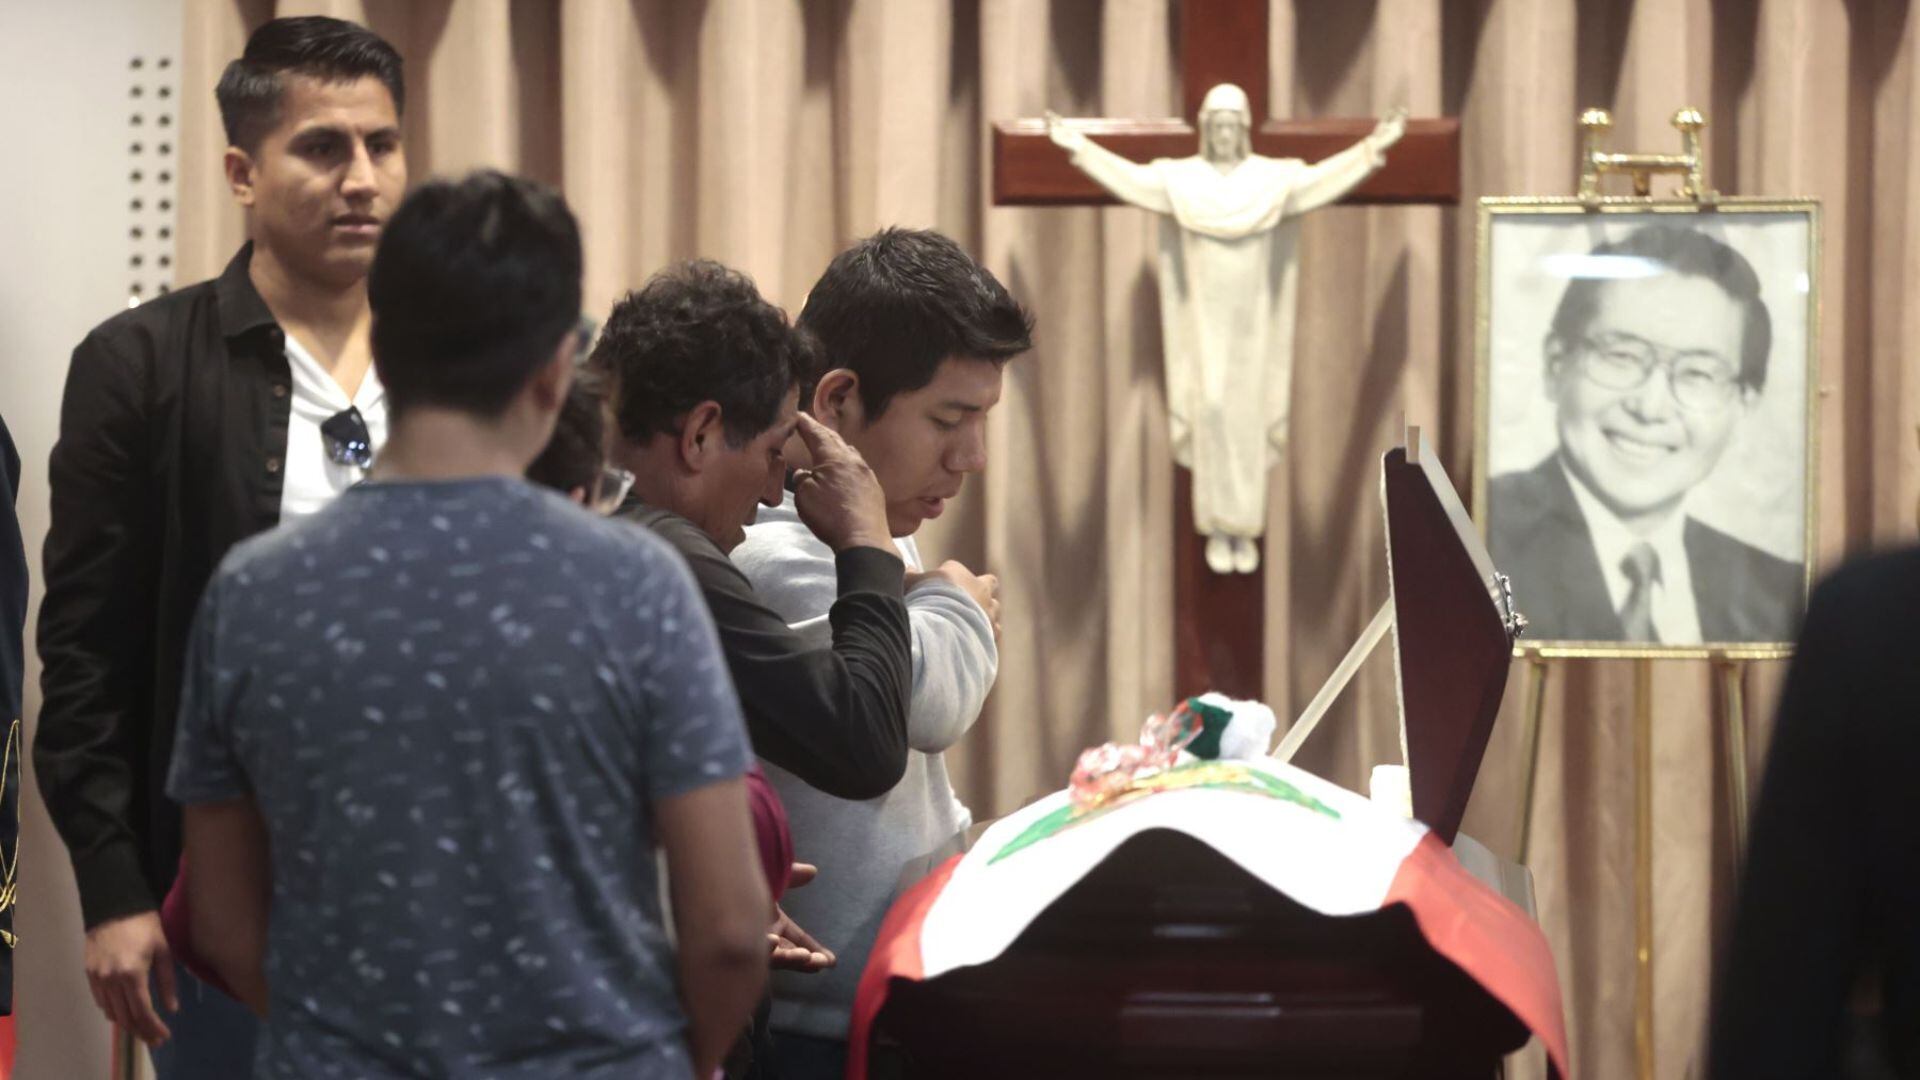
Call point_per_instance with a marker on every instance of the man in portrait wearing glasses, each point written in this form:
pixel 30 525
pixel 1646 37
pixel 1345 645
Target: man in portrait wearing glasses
pixel 1651 378
pixel 190 423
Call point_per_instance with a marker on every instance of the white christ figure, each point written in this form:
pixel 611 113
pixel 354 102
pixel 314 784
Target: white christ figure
pixel 1229 242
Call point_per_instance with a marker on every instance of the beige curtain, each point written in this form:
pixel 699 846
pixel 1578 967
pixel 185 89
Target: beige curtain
pixel 769 133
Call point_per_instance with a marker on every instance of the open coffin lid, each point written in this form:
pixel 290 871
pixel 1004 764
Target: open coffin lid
pixel 1453 631
pixel 1453 627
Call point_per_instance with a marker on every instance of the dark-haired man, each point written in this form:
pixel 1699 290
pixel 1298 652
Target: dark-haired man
pixel 1651 377
pixel 574 462
pixel 707 379
pixel 914 335
pixel 540 687
pixel 190 423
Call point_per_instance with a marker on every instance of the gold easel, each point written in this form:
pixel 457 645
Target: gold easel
pixel 1597 162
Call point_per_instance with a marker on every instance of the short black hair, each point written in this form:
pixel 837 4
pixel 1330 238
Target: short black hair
pixel 331 50
pixel 894 306
pixel 577 452
pixel 1678 250
pixel 699 332
pixel 474 284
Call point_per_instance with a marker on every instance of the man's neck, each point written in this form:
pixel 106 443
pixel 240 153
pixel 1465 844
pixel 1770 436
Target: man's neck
pixel 330 321
pixel 427 443
pixel 655 473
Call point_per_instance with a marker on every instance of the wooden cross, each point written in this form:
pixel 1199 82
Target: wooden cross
pixel 1219 624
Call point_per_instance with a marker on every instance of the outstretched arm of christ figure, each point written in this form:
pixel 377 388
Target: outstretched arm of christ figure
pixel 1329 180
pixel 1129 181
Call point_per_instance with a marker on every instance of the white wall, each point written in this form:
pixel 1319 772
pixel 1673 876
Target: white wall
pixel 65 221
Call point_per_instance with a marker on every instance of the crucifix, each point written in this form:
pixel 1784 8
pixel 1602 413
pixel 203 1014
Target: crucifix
pixel 1219 622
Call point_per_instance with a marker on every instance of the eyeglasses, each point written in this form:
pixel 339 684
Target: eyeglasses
pixel 1701 382
pixel 346 438
pixel 612 489
pixel 583 333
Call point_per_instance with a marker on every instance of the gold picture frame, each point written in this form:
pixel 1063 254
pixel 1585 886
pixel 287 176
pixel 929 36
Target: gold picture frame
pixel 1504 324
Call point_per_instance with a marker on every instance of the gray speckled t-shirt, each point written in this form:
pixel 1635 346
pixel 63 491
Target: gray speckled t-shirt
pixel 455 703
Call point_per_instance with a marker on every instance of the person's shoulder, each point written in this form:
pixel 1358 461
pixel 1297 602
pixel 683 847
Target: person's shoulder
pixel 1753 564
pixel 1528 485
pixel 680 532
pixel 778 535
pixel 1861 615
pixel 593 535
pixel 288 546
pixel 136 332
pixel 1883 582
pixel 1521 504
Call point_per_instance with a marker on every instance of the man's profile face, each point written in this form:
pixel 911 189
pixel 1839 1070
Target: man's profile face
pixel 1224 133
pixel 1641 450
pixel 740 479
pixel 926 441
pixel 325 180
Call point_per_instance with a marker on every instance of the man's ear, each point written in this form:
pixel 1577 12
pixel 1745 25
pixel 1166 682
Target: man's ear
pixel 836 401
pixel 701 435
pixel 239 169
pixel 1556 351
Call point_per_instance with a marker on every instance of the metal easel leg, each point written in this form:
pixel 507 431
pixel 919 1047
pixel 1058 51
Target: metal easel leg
pixel 1733 675
pixel 1643 864
pixel 1536 706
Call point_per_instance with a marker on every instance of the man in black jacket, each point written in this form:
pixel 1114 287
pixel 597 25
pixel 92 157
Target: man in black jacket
pixel 190 423
pixel 706 388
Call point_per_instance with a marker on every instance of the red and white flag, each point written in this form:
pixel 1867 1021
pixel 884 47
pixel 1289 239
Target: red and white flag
pixel 1322 846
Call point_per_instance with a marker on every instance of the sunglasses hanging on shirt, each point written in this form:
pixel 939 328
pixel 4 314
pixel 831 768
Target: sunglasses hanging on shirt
pixel 346 438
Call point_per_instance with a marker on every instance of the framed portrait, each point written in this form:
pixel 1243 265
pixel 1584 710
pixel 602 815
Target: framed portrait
pixel 1645 428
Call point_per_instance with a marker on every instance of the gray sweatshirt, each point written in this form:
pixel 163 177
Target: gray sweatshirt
pixel 868 850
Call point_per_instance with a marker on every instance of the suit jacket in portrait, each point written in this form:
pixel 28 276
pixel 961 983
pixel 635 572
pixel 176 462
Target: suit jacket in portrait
pixel 1539 539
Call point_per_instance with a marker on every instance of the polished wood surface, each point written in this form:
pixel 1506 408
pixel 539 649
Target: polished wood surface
pixel 1219 630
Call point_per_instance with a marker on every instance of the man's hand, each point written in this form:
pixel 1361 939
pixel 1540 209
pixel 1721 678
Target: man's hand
pixel 839 498
pixel 793 949
pixel 120 955
pixel 984 588
pixel 1070 139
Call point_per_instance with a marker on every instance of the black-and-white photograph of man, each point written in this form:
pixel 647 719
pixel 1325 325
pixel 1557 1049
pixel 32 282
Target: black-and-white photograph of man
pixel 1647 435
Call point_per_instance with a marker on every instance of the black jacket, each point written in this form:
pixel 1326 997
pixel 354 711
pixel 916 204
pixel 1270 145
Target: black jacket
pixel 1538 538
pixel 833 713
pixel 1831 894
pixel 173 434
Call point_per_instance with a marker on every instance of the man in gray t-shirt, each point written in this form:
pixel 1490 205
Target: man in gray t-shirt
pixel 448 718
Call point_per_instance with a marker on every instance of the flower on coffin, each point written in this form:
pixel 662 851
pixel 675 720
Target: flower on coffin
pixel 1112 768
pixel 1171 755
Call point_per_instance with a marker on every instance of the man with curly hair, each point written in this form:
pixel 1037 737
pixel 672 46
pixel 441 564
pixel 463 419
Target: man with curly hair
pixel 705 377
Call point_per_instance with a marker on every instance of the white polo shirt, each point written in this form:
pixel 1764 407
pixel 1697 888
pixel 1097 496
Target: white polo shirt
pixel 312 479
